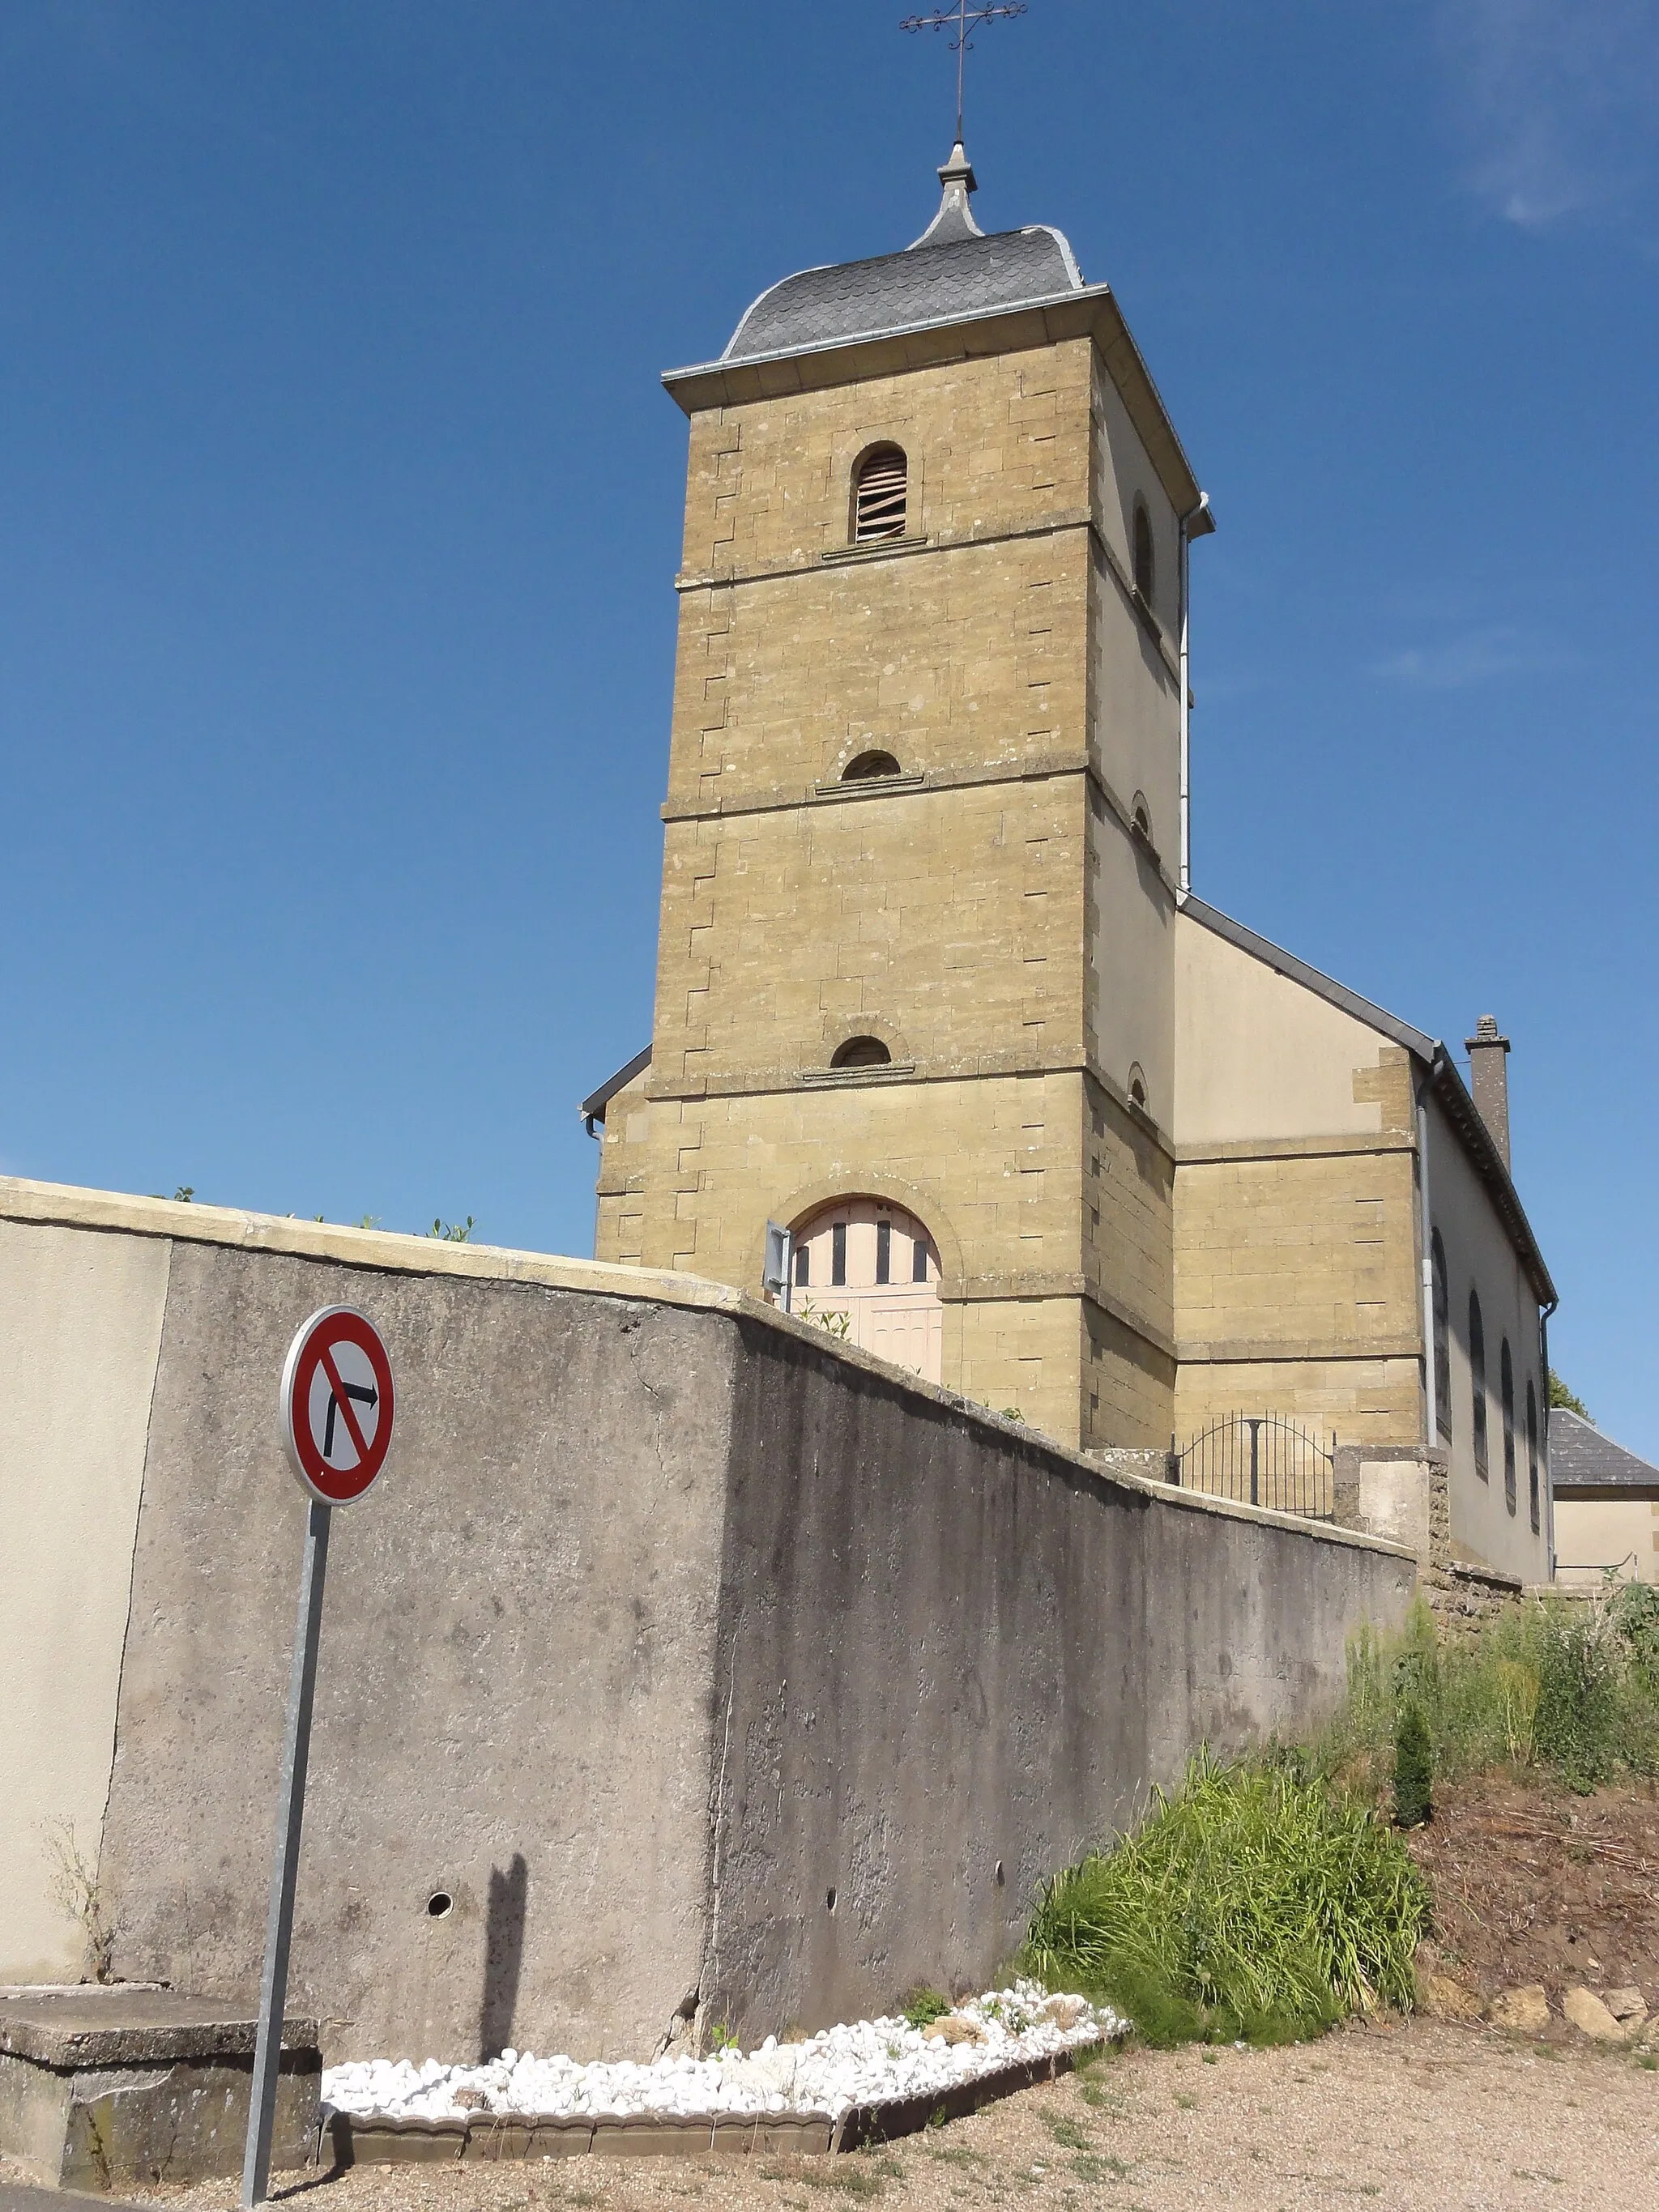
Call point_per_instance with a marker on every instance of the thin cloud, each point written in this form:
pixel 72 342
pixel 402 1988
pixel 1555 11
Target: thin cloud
pixel 1478 656
pixel 1560 100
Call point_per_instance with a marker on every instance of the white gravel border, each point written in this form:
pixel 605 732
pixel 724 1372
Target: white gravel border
pixel 867 2062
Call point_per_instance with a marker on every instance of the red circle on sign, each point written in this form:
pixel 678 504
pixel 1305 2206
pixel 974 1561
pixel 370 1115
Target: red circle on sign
pixel 337 1405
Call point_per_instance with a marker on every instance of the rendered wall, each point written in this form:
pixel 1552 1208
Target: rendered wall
pixel 80 1320
pixel 1480 1256
pixel 955 1657
pixel 1593 1534
pixel 667 1618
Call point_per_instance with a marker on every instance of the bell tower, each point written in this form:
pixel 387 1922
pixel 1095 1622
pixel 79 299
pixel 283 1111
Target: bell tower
pixel 915 971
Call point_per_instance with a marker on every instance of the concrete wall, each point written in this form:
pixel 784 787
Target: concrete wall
pixel 81 1321
pixel 950 1657
pixel 667 1619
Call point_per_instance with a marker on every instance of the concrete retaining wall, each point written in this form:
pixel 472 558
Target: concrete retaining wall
pixel 670 1622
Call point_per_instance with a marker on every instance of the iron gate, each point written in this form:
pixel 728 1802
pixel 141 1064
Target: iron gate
pixel 1259 1459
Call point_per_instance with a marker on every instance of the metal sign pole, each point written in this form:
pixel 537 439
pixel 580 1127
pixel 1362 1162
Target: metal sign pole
pixel 285 1866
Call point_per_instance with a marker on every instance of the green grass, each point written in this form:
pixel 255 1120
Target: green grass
pixel 1555 1687
pixel 1260 1901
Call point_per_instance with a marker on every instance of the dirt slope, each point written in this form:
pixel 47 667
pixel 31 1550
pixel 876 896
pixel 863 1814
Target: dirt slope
pixel 1535 1884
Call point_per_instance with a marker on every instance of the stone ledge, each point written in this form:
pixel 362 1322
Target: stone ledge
pixel 69 2030
pixel 1469 1571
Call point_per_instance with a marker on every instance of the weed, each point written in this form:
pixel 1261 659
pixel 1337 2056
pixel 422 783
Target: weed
pixel 1185 2104
pixel 1261 1901
pixel 1100 2166
pixel 957 2155
pixel 77 1891
pixel 1557 1684
pixel 1211 2058
pixel 923 2006
pixel 721 2037
pixel 833 1322
pixel 851 2180
pixel 448 1232
pixel 1068 2134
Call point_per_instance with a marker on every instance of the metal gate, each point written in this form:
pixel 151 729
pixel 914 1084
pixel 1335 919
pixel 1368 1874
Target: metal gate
pixel 1260 1459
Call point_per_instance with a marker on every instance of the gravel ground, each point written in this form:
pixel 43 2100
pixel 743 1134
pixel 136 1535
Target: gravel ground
pixel 1406 2118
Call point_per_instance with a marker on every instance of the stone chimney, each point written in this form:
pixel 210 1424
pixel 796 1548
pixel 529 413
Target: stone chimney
pixel 1489 1080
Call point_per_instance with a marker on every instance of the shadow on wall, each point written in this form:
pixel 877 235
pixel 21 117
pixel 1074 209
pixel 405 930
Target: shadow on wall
pixel 503 1956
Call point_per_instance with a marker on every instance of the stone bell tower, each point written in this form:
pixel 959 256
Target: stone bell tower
pixel 916 974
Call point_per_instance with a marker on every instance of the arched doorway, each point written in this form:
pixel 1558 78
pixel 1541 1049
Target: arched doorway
pixel 873 1261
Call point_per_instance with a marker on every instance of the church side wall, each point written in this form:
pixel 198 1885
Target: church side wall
pixel 1480 1256
pixel 1297 1277
pixel 951 1658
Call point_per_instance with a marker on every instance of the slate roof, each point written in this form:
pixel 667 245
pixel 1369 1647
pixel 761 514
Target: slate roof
pixel 1581 1459
pixel 931 281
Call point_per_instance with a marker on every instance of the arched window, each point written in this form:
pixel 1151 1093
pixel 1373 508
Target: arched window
pixel 1442 1338
pixel 869 1271
pixel 1142 549
pixel 1506 1395
pixel 879 496
pixel 868 766
pixel 1137 1084
pixel 861 1052
pixel 1478 1383
pixel 1142 815
pixel 1532 1456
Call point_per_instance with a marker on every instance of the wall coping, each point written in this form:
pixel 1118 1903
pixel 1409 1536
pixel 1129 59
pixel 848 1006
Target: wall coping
pixel 68 1205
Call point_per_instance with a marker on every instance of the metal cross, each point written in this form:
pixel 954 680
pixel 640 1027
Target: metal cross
pixel 965 21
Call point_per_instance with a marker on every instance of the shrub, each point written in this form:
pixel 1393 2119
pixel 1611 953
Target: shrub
pixel 1554 1684
pixel 1576 1728
pixel 1260 1901
pixel 1414 1767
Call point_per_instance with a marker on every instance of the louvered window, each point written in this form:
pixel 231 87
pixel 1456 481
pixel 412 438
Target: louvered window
pixel 879 501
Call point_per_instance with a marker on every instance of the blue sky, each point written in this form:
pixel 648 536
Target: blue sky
pixel 341 503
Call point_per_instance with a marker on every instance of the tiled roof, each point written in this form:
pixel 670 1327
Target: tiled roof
pixel 926 283
pixel 1582 1458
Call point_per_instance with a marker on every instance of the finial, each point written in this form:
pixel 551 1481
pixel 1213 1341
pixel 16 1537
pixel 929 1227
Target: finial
pixel 955 220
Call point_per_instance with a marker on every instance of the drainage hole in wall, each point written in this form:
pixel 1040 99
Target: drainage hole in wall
pixel 1000 1876
pixel 439 1903
pixel 829 1900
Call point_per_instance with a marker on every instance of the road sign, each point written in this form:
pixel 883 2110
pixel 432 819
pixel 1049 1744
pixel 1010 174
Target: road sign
pixel 337 1405
pixel 336 1424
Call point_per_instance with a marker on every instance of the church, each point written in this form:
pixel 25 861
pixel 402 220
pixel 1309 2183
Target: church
pixel 935 994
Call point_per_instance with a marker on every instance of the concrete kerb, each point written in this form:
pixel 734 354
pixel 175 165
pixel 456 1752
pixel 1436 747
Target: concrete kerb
pixel 380 2138
pixel 383 1251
